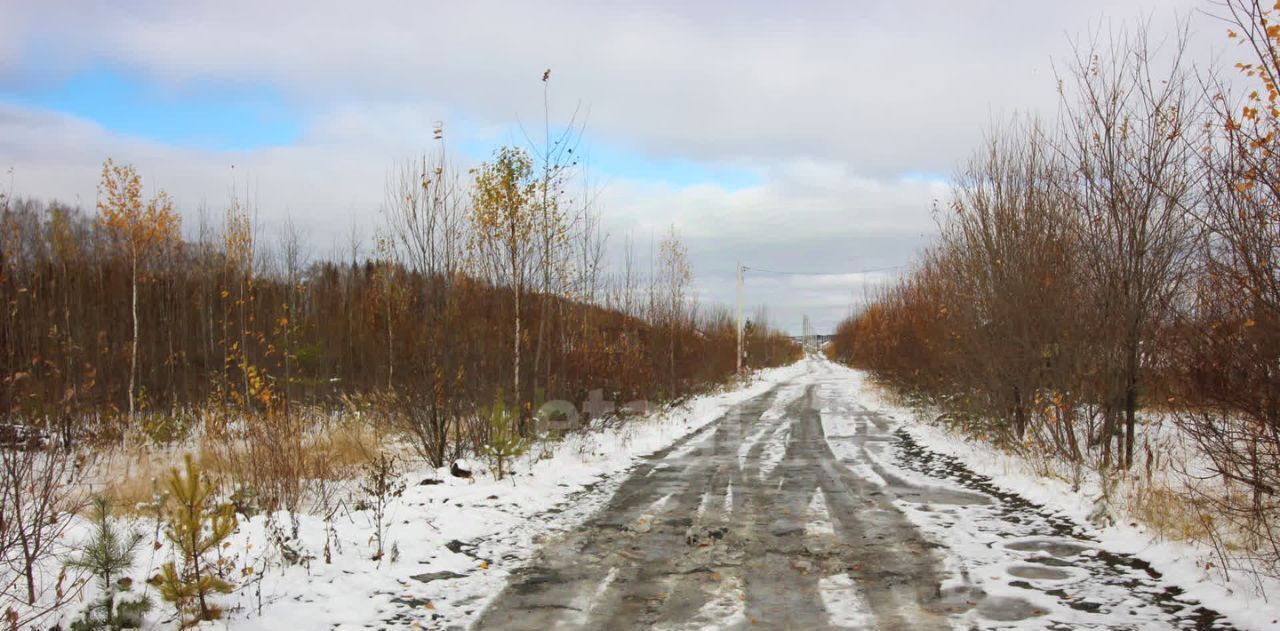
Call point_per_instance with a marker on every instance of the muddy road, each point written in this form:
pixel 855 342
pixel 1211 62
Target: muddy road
pixel 800 509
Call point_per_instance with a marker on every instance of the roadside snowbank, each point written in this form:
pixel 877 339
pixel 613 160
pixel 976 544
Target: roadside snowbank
pixel 1191 567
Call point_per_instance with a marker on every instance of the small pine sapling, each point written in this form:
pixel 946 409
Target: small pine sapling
pixel 196 526
pixel 108 556
pixel 505 441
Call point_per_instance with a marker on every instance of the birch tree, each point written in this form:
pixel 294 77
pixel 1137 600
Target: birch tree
pixel 504 219
pixel 139 229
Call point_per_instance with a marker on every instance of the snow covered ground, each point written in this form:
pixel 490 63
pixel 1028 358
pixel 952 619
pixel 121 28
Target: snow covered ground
pixel 980 544
pixel 453 545
pixel 450 545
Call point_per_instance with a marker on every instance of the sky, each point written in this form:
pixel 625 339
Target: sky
pixel 799 137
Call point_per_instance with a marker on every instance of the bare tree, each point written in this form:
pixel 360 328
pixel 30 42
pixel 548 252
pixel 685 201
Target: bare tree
pixel 1229 347
pixel 1126 141
pixel 425 210
pixel 675 278
pixel 557 159
pixel 1012 239
pixel 630 281
pixel 39 496
pixel 293 261
pixel 590 253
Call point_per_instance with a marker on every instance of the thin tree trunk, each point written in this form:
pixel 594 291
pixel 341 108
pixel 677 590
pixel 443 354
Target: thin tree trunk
pixel 515 362
pixel 133 354
pixel 1019 414
pixel 195 563
pixel 288 344
pixel 1130 411
pixel 245 291
pixel 67 432
pixel 1108 428
pixel 391 360
pixel 542 334
pixel 27 554
pixel 1130 402
pixel 170 358
pixel 671 357
pixel 29 571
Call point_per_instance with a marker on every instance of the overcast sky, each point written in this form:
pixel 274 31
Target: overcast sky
pixel 796 136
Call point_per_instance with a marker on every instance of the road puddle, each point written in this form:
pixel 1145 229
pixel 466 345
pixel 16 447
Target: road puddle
pixel 1060 548
pixel 1022 561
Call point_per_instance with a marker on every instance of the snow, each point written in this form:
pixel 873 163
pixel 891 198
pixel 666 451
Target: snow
pixel 771 440
pixel 726 610
pixel 483 529
pixel 819 515
pixel 846 608
pixel 480 529
pixel 587 604
pixel 979 549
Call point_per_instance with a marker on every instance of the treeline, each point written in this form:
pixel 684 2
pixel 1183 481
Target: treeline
pixel 481 285
pixel 1120 261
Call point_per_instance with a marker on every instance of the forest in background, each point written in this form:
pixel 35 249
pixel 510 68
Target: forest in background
pixel 233 321
pixel 1114 268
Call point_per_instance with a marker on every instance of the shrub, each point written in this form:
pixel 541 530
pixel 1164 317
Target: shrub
pixel 382 482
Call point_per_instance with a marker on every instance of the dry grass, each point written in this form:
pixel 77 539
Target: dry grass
pixel 1171 513
pixel 131 476
pixel 279 460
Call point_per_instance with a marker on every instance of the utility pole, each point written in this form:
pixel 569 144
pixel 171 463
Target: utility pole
pixel 739 353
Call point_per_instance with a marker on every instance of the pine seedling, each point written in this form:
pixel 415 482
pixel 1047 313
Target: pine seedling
pixel 196 526
pixel 108 555
pixel 505 441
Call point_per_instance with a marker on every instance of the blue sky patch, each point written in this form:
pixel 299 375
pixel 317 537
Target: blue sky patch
pixel 224 116
pixel 924 177
pixel 205 115
pixel 608 161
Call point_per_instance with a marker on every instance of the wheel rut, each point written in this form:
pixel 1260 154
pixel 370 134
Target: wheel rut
pixel 718 532
pixel 764 520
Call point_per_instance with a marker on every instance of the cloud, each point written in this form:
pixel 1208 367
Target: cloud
pixel 803 216
pixel 322 181
pixel 882 86
pixel 811 136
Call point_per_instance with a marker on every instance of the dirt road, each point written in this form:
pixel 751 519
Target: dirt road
pixel 800 509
